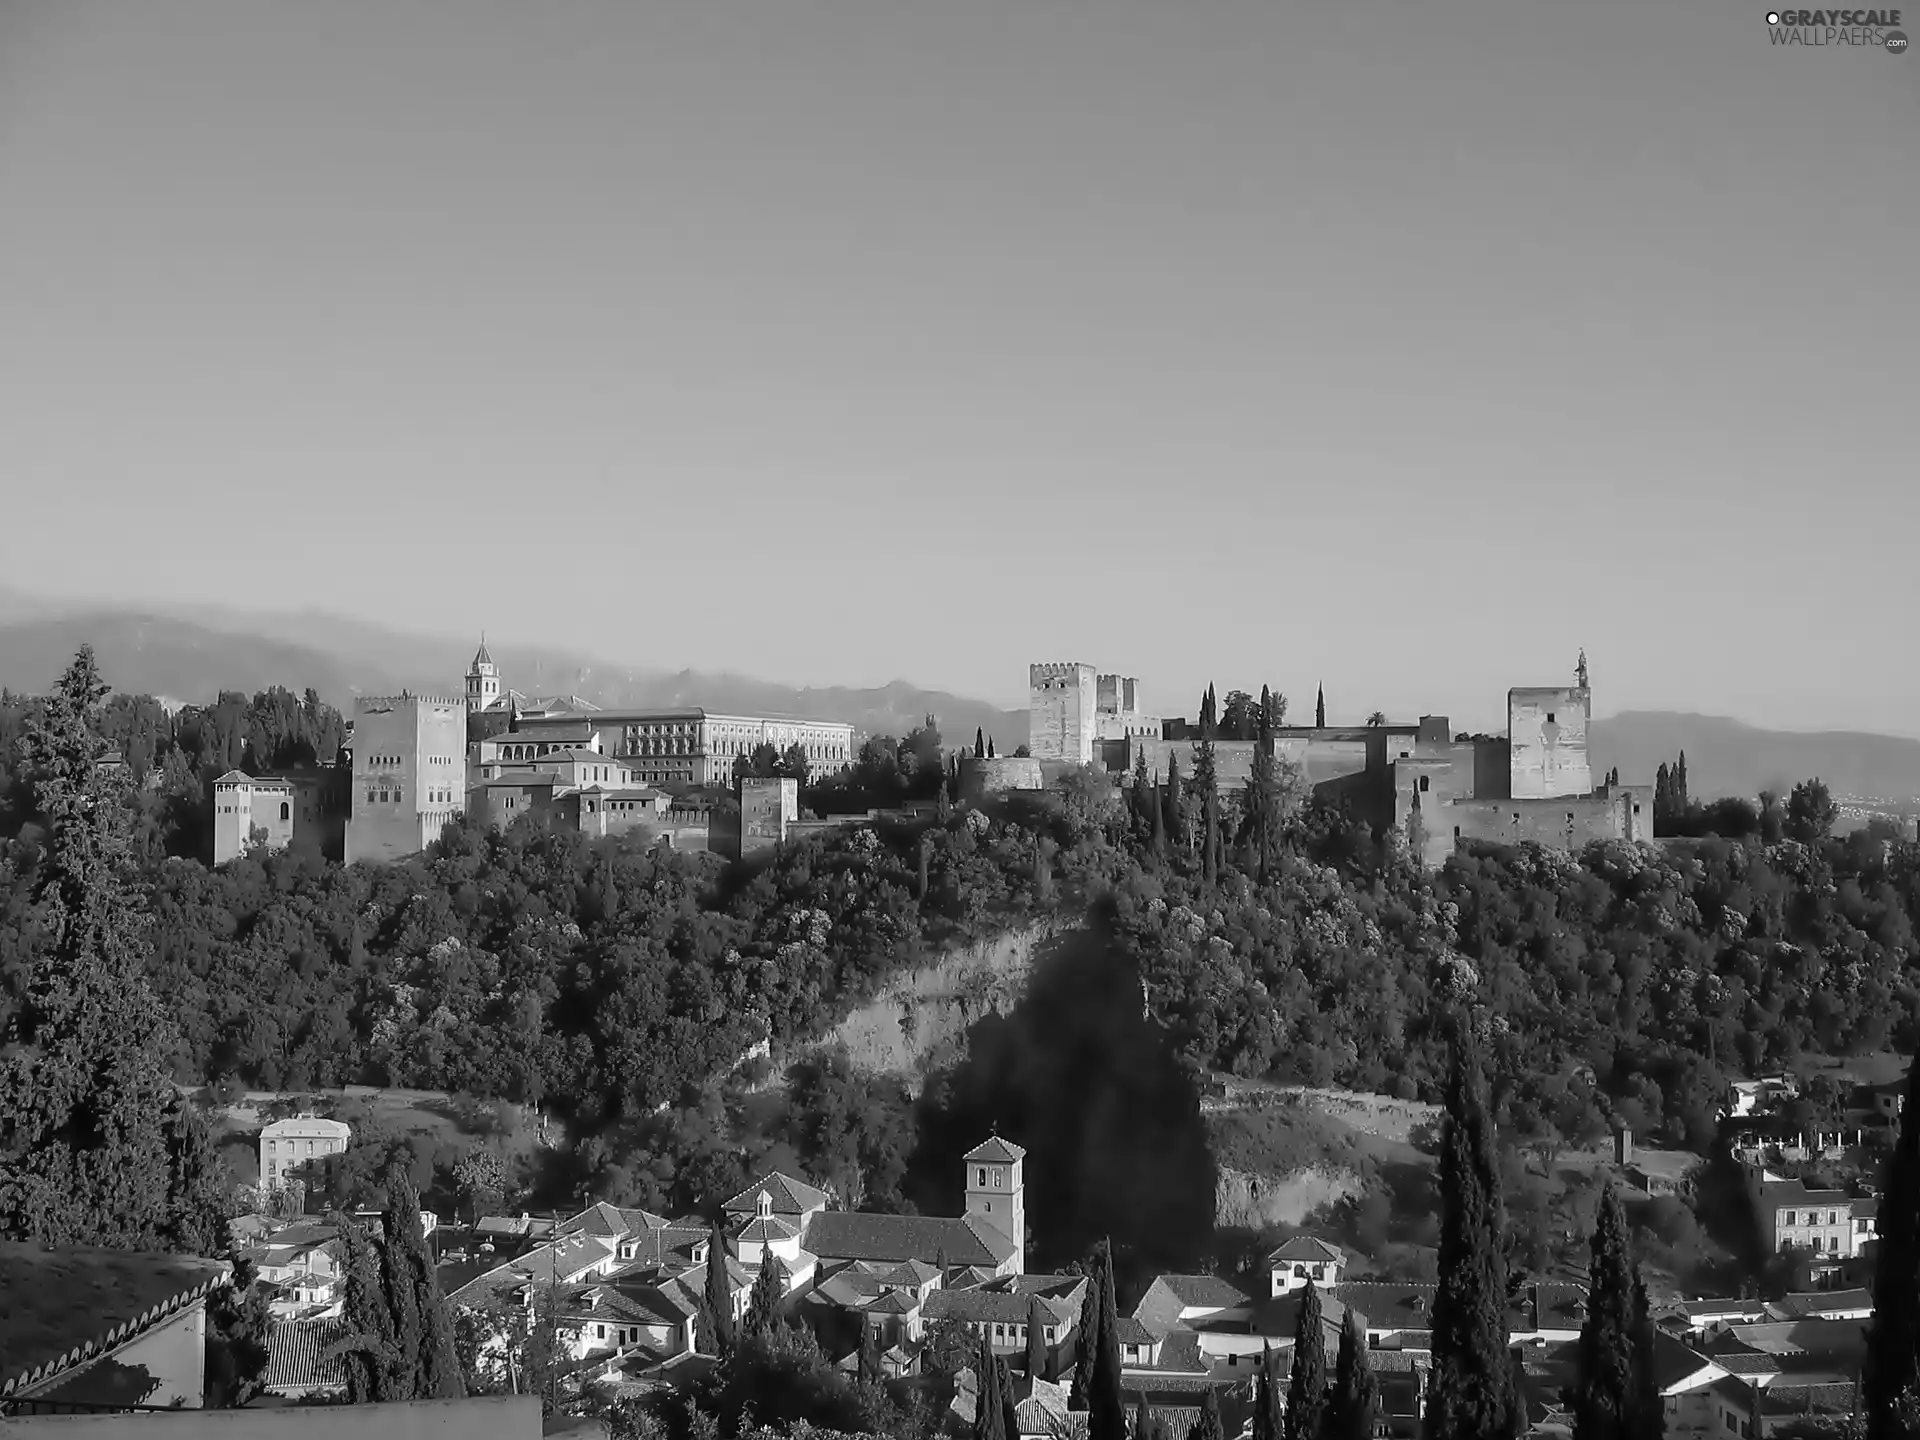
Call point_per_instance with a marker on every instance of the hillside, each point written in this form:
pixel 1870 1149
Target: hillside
pixel 1728 757
pixel 193 655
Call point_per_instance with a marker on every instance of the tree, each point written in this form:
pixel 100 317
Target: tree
pixel 1263 794
pixel 1320 709
pixel 368 1353
pixel 1036 1339
pixel 481 1177
pixel 1472 1393
pixel 1268 1424
pixel 1206 780
pixel 1208 1426
pixel 1650 1411
pixel 200 1186
pixel 989 1414
pixel 1142 1417
pixel 1307 1387
pixel 1088 1342
pixel 979 743
pixel 85 1070
pixel 1176 803
pixel 990 754
pixel 1106 1409
pixel 1892 1369
pixel 871 1371
pixel 719 1291
pixel 1377 719
pixel 238 1319
pixel 1606 1396
pixel 1355 1402
pixel 763 1305
pixel 1811 812
pixel 413 1281
pixel 1009 1400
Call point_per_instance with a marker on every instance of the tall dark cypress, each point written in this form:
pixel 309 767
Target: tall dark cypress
pixel 1355 1404
pixel 1142 1417
pixel 989 1415
pixel 1106 1409
pixel 1473 1396
pixel 1036 1339
pixel 763 1305
pixel 1009 1398
pixel 423 1325
pixel 990 754
pixel 1087 1342
pixel 869 1357
pixel 1320 709
pixel 1208 1425
pixel 1207 781
pixel 1606 1398
pixel 1307 1387
pixel 1175 806
pixel 1650 1411
pixel 1263 794
pixel 368 1353
pixel 1892 1367
pixel 979 743
pixel 1267 1421
pixel 719 1291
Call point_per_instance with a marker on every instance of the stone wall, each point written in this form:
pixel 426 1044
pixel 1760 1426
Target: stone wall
pixel 1564 822
pixel 981 777
pixel 412 749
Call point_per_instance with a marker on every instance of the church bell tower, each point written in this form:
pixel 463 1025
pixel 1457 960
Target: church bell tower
pixel 483 681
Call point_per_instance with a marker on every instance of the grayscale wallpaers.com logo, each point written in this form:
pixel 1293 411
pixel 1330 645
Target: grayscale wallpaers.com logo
pixel 1872 29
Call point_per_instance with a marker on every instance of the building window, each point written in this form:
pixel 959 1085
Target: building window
pixel 1549 717
pixel 1423 782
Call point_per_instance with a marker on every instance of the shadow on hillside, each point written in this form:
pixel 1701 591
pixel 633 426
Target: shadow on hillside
pixel 1109 1119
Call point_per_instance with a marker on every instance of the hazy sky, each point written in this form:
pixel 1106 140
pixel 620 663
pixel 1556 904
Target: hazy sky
pixel 1408 347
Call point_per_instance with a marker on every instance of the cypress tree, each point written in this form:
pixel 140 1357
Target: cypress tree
pixel 989 1414
pixel 1036 1340
pixel 85 1082
pixel 1142 1417
pixel 1307 1388
pixel 1206 780
pixel 369 1352
pixel 200 1184
pixel 1605 1398
pixel 1267 1421
pixel 870 1367
pixel 415 1284
pixel 990 754
pixel 1320 709
pixel 1087 1343
pixel 1106 1409
pixel 1473 1395
pixel 763 1305
pixel 1892 1365
pixel 1355 1405
pixel 1009 1400
pixel 1176 803
pixel 1263 794
pixel 719 1292
pixel 1650 1412
pixel 1208 1425
pixel 979 744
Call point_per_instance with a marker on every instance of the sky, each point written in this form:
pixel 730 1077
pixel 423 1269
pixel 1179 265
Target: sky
pixel 1405 349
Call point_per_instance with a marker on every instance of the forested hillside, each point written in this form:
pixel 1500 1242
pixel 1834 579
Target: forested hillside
pixel 616 987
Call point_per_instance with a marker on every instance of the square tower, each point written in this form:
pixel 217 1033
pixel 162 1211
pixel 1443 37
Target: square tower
pixel 409 774
pixel 996 1192
pixel 232 816
pixel 1063 714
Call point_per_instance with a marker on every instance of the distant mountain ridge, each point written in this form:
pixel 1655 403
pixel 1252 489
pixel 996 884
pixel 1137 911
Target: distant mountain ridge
pixel 193 654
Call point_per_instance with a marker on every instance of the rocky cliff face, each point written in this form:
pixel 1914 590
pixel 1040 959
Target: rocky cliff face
pixel 1246 1201
pixel 920 1024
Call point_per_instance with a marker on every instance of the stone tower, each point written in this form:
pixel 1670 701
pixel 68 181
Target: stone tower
pixel 1063 713
pixel 996 1192
pixel 483 680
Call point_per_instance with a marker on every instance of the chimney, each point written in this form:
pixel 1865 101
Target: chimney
pixel 1623 1146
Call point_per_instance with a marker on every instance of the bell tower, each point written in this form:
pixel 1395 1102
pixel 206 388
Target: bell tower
pixel 996 1192
pixel 483 681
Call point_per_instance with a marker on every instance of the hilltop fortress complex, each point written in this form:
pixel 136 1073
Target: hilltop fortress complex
pixel 1435 788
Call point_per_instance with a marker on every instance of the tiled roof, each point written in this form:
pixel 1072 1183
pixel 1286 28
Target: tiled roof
pixel 1825 1302
pixel 763 1228
pixel 993 1306
pixel 1388 1305
pixel 1784 1397
pixel 296 1356
pixel 790 1197
pixel 1179 1352
pixel 895 1302
pixel 1308 1249
pixel 1674 1362
pixel 1208 1291
pixel 1129 1331
pixel 54 1302
pixel 855 1235
pixel 610 1222
pixel 1706 1309
pixel 995 1151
